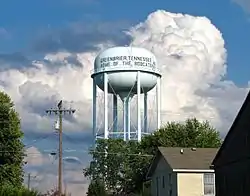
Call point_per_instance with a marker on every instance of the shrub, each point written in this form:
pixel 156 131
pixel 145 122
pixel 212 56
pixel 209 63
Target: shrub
pixel 10 190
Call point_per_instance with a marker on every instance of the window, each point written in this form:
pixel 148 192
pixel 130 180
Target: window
pixel 209 184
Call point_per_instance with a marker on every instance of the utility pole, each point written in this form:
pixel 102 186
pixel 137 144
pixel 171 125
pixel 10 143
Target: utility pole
pixel 60 111
pixel 29 181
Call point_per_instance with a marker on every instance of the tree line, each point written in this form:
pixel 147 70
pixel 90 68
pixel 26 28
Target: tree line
pixel 119 167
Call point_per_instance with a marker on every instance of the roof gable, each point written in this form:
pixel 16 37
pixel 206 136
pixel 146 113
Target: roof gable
pixel 189 158
pixel 243 112
pixel 154 164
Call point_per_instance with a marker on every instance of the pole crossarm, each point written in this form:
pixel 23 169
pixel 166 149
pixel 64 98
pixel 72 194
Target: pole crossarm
pixel 57 111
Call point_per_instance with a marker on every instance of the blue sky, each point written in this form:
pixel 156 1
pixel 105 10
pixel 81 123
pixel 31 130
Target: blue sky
pixel 25 22
pixel 29 30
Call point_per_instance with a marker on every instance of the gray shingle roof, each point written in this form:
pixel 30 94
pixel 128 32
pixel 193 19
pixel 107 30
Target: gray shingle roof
pixel 200 158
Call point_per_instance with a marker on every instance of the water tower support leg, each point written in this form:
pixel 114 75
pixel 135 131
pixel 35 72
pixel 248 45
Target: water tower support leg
pixel 106 135
pixel 124 119
pixel 115 114
pixel 158 95
pixel 128 118
pixel 145 112
pixel 94 112
pixel 138 107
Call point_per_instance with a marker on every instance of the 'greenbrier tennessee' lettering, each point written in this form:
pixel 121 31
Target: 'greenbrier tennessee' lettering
pixel 127 61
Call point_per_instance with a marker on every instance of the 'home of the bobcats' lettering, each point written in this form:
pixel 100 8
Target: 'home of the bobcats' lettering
pixel 128 61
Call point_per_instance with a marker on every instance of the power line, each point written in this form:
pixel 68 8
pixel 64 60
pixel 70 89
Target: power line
pixel 85 151
pixel 38 140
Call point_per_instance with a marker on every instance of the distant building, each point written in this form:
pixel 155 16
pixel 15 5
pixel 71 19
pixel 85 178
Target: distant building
pixel 232 163
pixel 182 172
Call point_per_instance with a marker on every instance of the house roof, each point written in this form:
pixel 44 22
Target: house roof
pixel 190 159
pixel 243 111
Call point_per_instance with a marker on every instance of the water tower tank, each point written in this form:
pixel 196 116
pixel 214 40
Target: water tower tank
pixel 122 64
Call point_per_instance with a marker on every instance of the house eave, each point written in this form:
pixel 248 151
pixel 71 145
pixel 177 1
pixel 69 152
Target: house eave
pixel 153 165
pixel 193 170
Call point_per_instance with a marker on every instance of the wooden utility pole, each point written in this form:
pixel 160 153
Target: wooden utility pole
pixel 60 111
pixel 29 181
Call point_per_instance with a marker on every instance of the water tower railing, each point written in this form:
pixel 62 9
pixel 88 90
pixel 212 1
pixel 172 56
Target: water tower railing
pixel 116 134
pixel 125 68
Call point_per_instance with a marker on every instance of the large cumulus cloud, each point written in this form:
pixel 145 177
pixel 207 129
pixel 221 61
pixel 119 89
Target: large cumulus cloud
pixel 191 55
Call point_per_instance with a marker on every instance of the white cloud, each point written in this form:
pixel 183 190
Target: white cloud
pixel 73 182
pixel 187 83
pixel 201 64
pixel 43 178
pixel 44 175
pixel 38 88
pixel 34 157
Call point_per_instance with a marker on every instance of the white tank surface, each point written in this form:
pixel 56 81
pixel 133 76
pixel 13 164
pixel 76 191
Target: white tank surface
pixel 122 64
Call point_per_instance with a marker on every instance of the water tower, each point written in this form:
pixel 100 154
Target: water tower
pixel 125 72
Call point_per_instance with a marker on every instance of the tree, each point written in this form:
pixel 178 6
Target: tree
pixel 123 165
pixel 11 146
pixel 54 192
pixel 115 163
pixel 12 190
pixel 191 133
pixel 96 188
pixel 108 158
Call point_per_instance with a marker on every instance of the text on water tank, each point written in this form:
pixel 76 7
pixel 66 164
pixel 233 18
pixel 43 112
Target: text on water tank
pixel 127 61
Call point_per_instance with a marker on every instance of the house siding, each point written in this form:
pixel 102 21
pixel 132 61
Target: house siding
pixel 162 171
pixel 190 184
pixel 181 184
pixel 233 179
